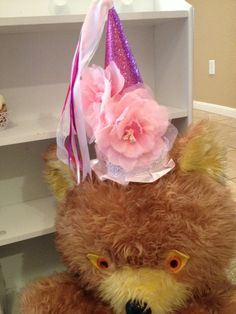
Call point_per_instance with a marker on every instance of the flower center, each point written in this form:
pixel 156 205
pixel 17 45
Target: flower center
pixel 131 132
pixel 129 136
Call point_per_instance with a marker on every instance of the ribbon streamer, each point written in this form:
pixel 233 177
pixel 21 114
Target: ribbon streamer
pixel 71 133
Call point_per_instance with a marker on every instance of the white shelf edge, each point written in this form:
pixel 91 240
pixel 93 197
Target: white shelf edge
pixel 176 113
pixel 153 15
pixel 71 19
pixel 31 137
pixel 31 131
pixel 23 131
pixel 27 220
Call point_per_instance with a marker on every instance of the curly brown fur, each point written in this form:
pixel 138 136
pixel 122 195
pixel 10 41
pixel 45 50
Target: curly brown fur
pixel 60 294
pixel 136 225
pixel 222 301
pixel 168 209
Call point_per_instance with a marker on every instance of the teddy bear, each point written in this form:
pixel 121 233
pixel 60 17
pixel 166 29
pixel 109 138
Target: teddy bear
pixel 157 248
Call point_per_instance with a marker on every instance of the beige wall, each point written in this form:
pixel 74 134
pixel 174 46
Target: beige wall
pixel 215 38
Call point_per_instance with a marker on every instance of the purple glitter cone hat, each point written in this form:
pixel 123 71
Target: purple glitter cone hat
pixel 119 51
pixel 112 108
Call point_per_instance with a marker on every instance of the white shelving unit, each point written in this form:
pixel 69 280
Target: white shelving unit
pixel 38 39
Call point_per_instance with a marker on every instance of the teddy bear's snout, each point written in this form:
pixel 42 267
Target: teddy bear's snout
pixel 134 307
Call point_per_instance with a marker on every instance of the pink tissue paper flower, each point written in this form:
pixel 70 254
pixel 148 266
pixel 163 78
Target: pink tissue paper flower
pixel 131 129
pixel 97 87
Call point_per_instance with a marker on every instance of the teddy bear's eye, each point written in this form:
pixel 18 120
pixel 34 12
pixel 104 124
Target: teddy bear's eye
pixel 102 263
pixel 99 262
pixel 175 261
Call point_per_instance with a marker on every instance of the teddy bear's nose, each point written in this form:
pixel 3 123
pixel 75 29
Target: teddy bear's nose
pixel 134 307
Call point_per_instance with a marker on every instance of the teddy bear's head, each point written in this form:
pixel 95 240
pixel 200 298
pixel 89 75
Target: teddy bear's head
pixel 147 248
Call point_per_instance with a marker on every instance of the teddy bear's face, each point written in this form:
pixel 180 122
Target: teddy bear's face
pixel 148 246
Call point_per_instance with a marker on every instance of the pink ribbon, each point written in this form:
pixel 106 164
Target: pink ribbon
pixel 72 145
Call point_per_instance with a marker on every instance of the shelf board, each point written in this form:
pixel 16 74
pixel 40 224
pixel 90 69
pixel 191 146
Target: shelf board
pixel 176 113
pixel 23 131
pixel 31 23
pixel 27 220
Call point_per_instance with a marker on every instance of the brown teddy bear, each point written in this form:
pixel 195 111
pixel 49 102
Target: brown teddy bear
pixel 155 248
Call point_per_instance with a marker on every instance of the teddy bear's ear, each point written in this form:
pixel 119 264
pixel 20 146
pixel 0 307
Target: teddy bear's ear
pixel 201 149
pixel 58 175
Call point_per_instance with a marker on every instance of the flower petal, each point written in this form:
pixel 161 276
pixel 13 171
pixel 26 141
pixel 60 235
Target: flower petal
pixel 115 77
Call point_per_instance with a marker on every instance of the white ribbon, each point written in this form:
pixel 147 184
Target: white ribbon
pixel 90 37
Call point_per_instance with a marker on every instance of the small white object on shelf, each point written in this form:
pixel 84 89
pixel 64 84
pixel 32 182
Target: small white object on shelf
pixel 3 113
pixel 60 7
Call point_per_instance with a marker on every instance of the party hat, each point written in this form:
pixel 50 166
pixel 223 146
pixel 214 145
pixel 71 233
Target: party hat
pixel 113 108
pixel 119 51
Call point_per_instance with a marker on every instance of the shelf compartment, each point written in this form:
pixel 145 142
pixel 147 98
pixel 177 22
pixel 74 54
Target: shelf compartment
pixel 23 131
pixel 27 220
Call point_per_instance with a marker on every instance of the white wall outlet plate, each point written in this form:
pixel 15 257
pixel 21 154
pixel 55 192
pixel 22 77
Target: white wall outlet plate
pixel 212 67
